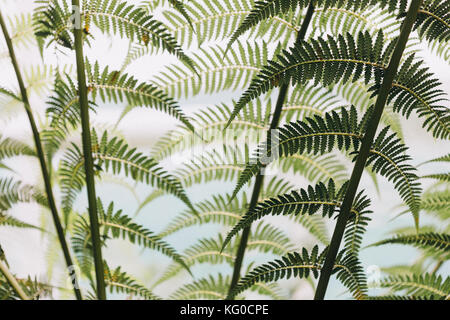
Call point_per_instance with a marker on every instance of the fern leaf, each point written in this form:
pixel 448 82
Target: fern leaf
pixel 301 265
pixel 439 241
pixel 321 134
pixel 116 87
pixel 120 282
pixel 115 155
pixel 419 285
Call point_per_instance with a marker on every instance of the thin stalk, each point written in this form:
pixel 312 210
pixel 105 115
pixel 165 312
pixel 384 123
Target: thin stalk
pixel 365 149
pixel 87 153
pixel 42 161
pixel 438 266
pixel 259 181
pixel 13 282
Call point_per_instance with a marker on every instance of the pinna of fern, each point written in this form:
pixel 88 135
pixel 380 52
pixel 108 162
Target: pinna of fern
pixel 319 134
pixel 114 154
pixel 110 16
pixel 302 264
pixel 348 58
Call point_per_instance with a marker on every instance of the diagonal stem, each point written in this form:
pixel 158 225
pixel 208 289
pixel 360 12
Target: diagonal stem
pixel 87 153
pixel 260 177
pixel 363 154
pixel 13 282
pixel 42 161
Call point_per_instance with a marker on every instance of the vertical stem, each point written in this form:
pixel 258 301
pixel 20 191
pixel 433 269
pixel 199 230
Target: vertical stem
pixel 42 161
pixel 260 177
pixel 87 152
pixel 13 282
pixel 365 149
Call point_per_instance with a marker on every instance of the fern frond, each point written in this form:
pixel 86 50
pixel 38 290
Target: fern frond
pixel 133 22
pixel 8 220
pixel 332 61
pixel 211 287
pixel 13 192
pixel 51 21
pixel 10 147
pixel 309 201
pixel 114 154
pixel 264 9
pixel 218 22
pixel 120 282
pixel 433 240
pixel 116 225
pixel 437 203
pixel 210 124
pixel 115 87
pixel 301 265
pixel 211 166
pixel 215 71
pixel 321 134
pixel 419 285
pixel 433 20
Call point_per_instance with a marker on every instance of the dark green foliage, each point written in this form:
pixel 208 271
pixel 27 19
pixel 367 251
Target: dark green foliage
pixel 265 9
pixel 347 58
pixel 428 285
pixel 116 225
pixel 433 20
pixel 319 135
pixel 301 265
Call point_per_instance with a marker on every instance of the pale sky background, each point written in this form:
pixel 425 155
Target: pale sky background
pixel 26 250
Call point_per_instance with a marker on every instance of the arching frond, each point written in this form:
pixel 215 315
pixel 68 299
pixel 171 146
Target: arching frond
pixel 309 201
pixel 120 282
pixel 301 265
pixel 265 9
pixel 116 156
pixel 211 287
pixel 209 126
pixel 334 60
pixel 321 134
pixel 115 87
pixel 433 20
pixel 430 240
pixel 419 285
pixel 10 147
pixel 116 225
pixel 215 71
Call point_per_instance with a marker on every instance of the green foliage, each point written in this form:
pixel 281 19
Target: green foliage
pixel 269 8
pixel 322 134
pixel 428 285
pixel 116 225
pixel 235 45
pixel 321 198
pixel 349 58
pixel 304 264
pixel 421 240
pixel 116 87
pixel 116 156
pixel 120 282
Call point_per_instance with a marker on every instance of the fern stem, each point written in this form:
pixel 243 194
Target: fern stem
pixel 87 153
pixel 365 149
pixel 13 282
pixel 259 181
pixel 42 160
